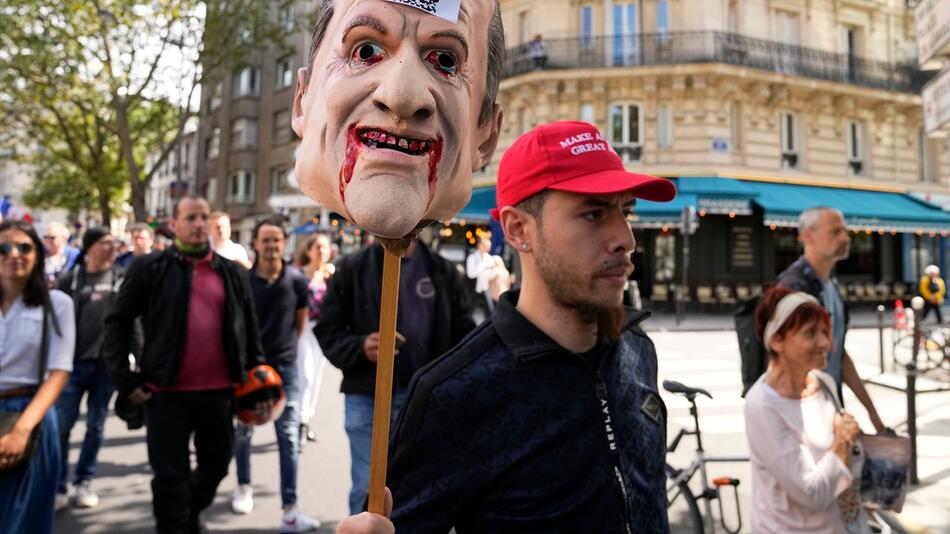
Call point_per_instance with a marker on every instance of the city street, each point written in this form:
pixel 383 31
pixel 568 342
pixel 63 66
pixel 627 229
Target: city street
pixel 702 359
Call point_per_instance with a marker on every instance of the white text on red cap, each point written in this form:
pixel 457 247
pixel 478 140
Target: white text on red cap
pixel 585 142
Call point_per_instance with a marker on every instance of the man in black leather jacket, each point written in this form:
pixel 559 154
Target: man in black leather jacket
pixel 434 315
pixel 200 337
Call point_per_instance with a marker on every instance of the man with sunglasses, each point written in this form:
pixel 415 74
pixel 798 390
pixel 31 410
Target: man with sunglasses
pixel 60 257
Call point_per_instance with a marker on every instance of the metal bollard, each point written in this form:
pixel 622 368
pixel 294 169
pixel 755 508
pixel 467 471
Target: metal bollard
pixel 912 420
pixel 880 335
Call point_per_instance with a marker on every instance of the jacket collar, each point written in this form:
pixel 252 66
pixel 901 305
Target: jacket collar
pixel 811 277
pixel 527 341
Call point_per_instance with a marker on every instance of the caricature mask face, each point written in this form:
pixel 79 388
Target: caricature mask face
pixel 389 116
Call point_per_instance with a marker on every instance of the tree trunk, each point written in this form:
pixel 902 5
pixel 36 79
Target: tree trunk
pixel 138 199
pixel 105 209
pixel 136 184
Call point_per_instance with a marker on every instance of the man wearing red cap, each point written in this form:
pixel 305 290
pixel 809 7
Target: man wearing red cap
pixel 547 418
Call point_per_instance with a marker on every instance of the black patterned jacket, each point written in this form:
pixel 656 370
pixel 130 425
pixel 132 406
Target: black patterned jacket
pixel 509 432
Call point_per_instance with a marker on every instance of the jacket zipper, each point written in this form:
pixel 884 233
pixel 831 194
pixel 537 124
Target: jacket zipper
pixel 601 389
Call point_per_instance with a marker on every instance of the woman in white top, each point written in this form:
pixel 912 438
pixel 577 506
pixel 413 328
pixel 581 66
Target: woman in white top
pixel 313 258
pixel 489 272
pixel 27 388
pixel 799 443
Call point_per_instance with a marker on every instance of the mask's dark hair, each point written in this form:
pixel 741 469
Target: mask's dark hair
pixel 496 53
pixel 36 291
pixel 189 196
pixel 270 221
pixel 534 205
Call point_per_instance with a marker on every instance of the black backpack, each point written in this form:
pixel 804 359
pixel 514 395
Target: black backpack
pixel 751 350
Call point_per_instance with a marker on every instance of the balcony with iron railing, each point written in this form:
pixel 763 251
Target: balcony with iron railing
pixel 716 47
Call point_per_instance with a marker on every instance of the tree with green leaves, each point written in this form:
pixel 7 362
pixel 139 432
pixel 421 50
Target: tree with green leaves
pixel 101 82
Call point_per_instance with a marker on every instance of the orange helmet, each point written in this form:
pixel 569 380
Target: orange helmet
pixel 262 387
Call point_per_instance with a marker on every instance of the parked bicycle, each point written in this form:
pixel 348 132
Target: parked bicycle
pixel 934 347
pixel 678 489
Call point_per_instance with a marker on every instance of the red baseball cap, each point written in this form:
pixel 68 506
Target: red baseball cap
pixel 569 156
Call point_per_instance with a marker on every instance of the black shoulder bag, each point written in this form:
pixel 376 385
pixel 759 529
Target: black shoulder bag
pixel 9 419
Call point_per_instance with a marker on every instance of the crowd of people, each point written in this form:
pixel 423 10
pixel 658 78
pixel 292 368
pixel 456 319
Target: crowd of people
pixel 546 417
pixel 171 331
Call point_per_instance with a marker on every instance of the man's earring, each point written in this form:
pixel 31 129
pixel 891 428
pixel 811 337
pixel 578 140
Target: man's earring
pixel 524 246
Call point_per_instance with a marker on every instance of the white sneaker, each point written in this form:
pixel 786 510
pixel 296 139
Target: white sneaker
pixel 294 521
pixel 62 502
pixel 85 497
pixel 242 502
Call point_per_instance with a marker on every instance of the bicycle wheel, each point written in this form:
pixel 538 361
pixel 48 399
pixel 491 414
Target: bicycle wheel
pixel 930 351
pixel 682 510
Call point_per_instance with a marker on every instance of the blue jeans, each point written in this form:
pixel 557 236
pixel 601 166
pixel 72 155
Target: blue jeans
pixel 27 493
pixel 88 376
pixel 358 421
pixel 287 427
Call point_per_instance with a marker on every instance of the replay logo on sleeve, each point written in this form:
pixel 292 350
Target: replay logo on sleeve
pixel 446 9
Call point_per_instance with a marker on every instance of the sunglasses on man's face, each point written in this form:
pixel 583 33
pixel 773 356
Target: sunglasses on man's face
pixel 22 248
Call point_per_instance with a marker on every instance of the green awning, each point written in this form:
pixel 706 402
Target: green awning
pixel 782 203
pixel 483 200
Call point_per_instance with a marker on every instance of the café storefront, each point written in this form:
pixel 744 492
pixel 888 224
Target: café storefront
pixel 736 235
pixel 745 232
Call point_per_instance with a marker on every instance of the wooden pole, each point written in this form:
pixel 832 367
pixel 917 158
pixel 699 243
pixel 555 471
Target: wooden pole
pixel 384 381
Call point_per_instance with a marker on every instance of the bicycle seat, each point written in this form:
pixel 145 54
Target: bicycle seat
pixel 676 387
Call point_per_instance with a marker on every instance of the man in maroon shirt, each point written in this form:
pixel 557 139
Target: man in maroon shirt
pixel 201 336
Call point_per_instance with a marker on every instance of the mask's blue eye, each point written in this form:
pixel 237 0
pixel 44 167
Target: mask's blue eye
pixel 444 62
pixel 367 54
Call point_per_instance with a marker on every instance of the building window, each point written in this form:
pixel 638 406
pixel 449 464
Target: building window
pixel 856 149
pixel 732 17
pixel 735 124
pixel 212 193
pixel 926 169
pixel 241 187
pixel 625 41
pixel 286 18
pixel 852 41
pixel 523 29
pixel 285 72
pixel 278 181
pixel 587 25
pixel 282 131
pixel 787 29
pixel 790 141
pixel 625 128
pixel 213 143
pixel 245 82
pixel 243 134
pixel 664 125
pixel 587 113
pixel 663 17
pixel 216 95
pixel 186 157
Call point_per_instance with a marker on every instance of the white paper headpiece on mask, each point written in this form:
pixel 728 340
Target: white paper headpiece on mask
pixel 446 9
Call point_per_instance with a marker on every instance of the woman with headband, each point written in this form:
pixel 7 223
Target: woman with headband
pixel 800 444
